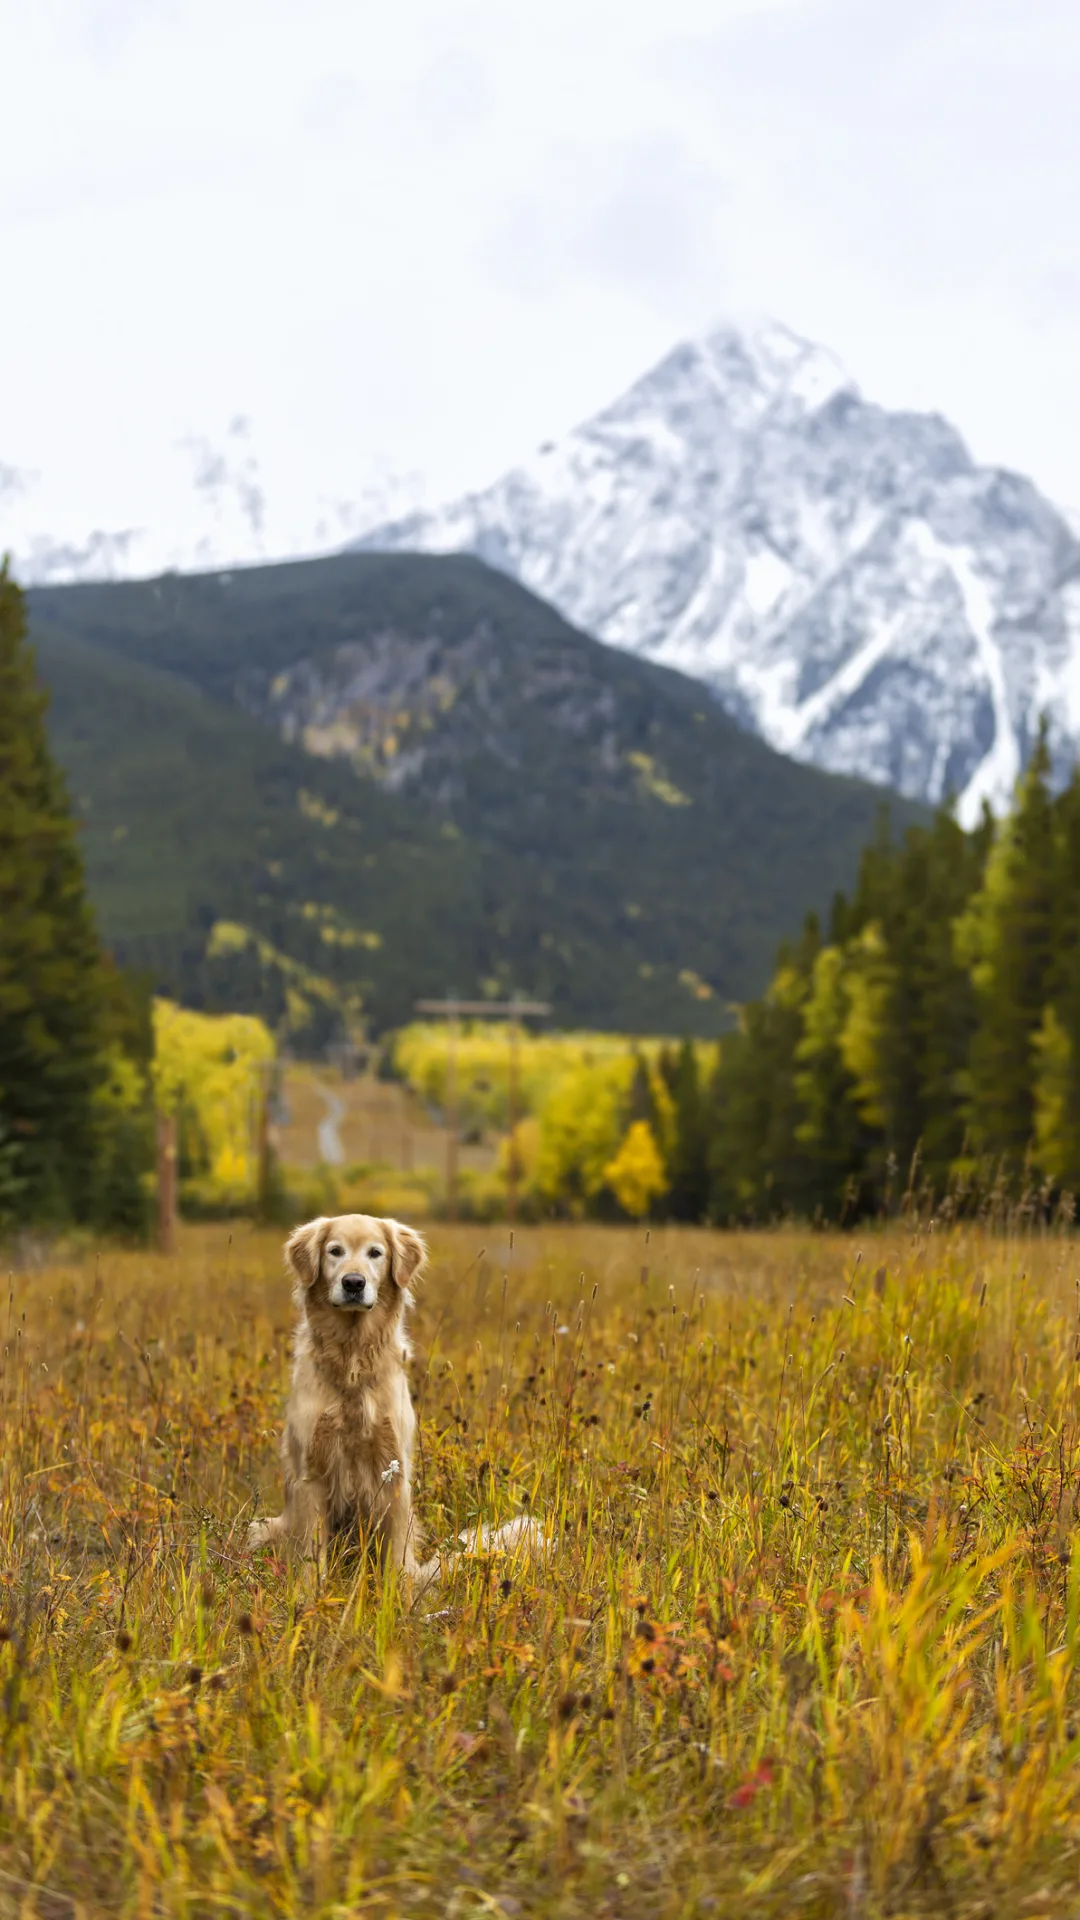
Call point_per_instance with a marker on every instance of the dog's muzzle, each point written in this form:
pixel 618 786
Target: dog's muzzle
pixel 356 1290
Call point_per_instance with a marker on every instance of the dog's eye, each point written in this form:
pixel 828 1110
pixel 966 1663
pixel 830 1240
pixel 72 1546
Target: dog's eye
pixel 374 1253
pixel 335 1252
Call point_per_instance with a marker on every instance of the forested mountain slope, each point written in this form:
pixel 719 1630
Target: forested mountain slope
pixel 406 774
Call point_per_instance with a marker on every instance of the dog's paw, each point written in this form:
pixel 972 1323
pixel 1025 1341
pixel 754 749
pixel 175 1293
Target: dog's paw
pixel 259 1534
pixel 519 1532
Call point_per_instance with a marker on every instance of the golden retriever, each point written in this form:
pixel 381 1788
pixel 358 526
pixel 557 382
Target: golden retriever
pixel 347 1447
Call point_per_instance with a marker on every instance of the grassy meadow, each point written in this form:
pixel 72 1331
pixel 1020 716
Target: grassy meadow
pixel 806 1640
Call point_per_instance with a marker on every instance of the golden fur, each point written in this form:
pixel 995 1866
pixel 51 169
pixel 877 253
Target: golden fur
pixel 347 1447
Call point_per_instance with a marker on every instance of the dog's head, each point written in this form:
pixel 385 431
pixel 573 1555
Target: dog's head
pixel 354 1263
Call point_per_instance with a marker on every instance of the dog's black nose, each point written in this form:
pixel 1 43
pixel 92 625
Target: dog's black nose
pixel 353 1286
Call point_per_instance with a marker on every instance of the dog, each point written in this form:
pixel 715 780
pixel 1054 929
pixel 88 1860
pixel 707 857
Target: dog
pixel 350 1428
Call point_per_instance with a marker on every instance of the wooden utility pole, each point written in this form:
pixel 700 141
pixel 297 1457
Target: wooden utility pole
pixel 453 1011
pixel 264 1094
pixel 511 1121
pixel 453 1122
pixel 166 1182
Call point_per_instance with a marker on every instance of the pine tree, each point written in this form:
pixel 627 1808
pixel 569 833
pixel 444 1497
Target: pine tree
pixel 642 1104
pixel 913 998
pixel 52 990
pixel 936 1009
pixel 759 1168
pixel 1057 1043
pixel 941 1020
pixel 1007 938
pixel 831 1129
pixel 688 1168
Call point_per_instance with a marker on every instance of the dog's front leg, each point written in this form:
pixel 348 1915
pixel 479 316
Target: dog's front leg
pixel 300 1523
pixel 393 1522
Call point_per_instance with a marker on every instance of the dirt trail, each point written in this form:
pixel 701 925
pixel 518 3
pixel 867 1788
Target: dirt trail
pixel 331 1150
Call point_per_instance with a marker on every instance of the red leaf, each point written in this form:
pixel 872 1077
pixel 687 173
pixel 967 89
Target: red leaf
pixel 763 1776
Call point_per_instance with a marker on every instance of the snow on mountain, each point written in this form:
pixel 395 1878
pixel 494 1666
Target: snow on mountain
pixel 845 578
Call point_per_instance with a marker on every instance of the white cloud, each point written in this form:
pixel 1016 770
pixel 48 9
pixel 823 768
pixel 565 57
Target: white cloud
pixel 425 238
pixel 642 215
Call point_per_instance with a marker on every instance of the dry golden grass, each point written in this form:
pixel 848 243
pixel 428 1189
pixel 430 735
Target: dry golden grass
pixel 807 1640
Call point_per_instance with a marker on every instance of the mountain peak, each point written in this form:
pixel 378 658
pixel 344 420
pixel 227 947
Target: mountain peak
pixel 844 577
pixel 780 363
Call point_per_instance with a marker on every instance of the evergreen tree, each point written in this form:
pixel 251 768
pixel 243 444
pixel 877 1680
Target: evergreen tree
pixel 1007 939
pixel 688 1166
pixel 935 1009
pixel 759 1168
pixel 855 1066
pixel 124 1110
pixel 54 1002
pixel 1057 1043
pixel 11 1187
pixel 831 1127
pixel 642 1104
pixel 912 1000
pixel 941 1019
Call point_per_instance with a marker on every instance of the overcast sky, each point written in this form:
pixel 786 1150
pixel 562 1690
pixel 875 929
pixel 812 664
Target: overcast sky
pixel 258 252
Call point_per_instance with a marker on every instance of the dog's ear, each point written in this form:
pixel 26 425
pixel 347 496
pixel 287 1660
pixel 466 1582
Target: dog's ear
pixel 408 1251
pixel 303 1250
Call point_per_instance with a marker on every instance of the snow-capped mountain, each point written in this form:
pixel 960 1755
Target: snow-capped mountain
pixel 846 578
